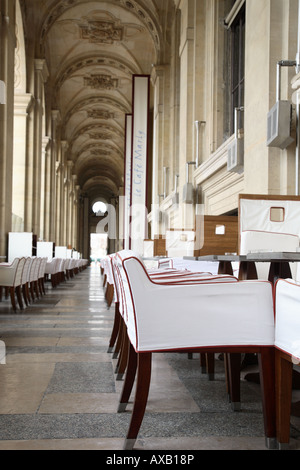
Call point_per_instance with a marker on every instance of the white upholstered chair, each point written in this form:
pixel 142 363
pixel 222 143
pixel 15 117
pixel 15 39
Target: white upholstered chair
pixel 165 275
pixel 287 344
pixel 191 317
pixel 11 278
pixel 52 270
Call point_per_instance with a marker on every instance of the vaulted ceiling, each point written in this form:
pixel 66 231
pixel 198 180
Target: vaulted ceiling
pixel 92 49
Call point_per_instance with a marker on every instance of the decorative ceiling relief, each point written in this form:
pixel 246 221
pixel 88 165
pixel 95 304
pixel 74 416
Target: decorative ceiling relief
pixel 101 31
pixel 101 82
pixel 100 114
pixel 99 136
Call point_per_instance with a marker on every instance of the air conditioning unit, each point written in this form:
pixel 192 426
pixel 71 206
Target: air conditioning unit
pixel 279 125
pixel 188 193
pixel 235 156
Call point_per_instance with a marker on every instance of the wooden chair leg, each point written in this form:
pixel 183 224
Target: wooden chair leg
pixel 12 298
pixel 233 364
pixel 129 379
pixel 207 364
pixel 110 296
pixel 284 375
pixel 40 287
pixel 53 280
pixel 267 380
pixel 122 362
pixel 36 289
pixel 119 339
pixel 203 363
pixel 25 297
pixel 43 285
pixel 141 398
pixel 19 297
pixel 114 333
pixel 32 291
pixel 210 360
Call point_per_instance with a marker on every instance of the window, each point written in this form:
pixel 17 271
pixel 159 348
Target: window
pixel 234 64
pixel 237 65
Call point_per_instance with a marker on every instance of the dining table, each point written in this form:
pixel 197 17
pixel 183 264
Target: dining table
pixel 246 264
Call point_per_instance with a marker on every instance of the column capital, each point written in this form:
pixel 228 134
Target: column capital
pixel 45 142
pixel 64 145
pixel 41 66
pixel 23 103
pixel 55 115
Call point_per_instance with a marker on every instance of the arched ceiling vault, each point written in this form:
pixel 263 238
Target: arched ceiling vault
pixel 92 49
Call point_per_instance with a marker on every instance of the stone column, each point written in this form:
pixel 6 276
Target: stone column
pixel 59 177
pixel 22 104
pixel 47 193
pixel 28 210
pixel 62 219
pixel 41 75
pixel 72 209
pixel 68 205
pixel 45 156
pixel 158 83
pixel 187 74
pixel 55 117
pixel 7 43
pixel 76 237
pixel 86 233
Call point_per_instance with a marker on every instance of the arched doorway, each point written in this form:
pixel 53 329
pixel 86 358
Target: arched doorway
pixel 98 240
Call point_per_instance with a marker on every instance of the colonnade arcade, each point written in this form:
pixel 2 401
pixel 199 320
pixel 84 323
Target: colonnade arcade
pixel 66 68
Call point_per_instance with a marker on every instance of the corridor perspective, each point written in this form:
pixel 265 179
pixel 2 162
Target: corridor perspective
pixel 59 388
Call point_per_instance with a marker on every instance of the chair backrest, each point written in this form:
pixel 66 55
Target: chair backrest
pixel 8 272
pixel 19 272
pixel 287 324
pixel 52 266
pixel 68 263
pixel 32 269
pixel 25 274
pixel 37 268
pixel 42 268
pixel 123 288
pixel 109 270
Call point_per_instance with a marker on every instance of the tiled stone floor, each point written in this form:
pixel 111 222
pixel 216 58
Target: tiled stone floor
pixel 58 389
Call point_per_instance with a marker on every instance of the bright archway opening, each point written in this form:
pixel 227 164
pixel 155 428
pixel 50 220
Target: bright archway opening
pixel 99 208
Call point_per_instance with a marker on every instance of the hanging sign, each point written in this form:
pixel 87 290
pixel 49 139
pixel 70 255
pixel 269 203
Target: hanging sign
pixel 139 162
pixel 127 179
